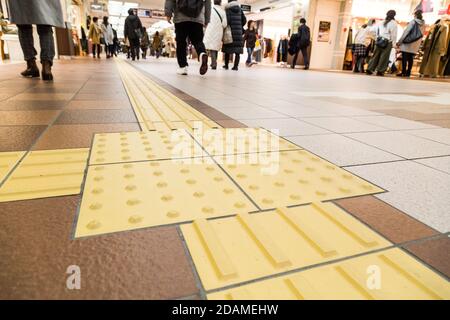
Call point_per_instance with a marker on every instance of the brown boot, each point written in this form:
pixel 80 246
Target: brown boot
pixel 32 70
pixel 47 71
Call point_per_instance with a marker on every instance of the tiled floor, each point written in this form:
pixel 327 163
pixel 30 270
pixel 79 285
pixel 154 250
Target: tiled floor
pixel 394 136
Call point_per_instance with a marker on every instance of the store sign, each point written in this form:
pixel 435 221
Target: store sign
pixel 144 13
pixel 324 31
pixel 158 14
pixel 97 6
pixel 246 8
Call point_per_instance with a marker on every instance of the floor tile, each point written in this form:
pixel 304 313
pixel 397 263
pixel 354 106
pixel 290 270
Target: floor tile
pixel 418 190
pixel 96 116
pixel 37 248
pixel 440 123
pixel 341 150
pixel 14 138
pixel 435 252
pixel 231 124
pixel 98 104
pixel 402 144
pixel 441 135
pixel 32 105
pixel 395 123
pixel 251 113
pixel 286 127
pixel 18 118
pixel 439 163
pixel 104 96
pixel 392 223
pixel 78 135
pixel 343 125
pixel 7 162
pixel 43 96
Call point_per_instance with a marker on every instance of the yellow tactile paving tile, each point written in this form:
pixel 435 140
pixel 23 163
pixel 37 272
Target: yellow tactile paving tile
pixel 249 246
pixel 400 277
pixel 278 179
pixel 143 145
pixel 240 140
pixel 7 161
pixel 46 173
pixel 153 104
pixel 120 197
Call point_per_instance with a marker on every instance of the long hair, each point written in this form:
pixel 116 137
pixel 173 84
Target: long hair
pixel 390 15
pixel 418 14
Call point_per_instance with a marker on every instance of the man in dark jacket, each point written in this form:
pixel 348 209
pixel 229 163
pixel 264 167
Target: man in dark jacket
pixel 44 14
pixel 304 40
pixel 133 31
pixel 189 17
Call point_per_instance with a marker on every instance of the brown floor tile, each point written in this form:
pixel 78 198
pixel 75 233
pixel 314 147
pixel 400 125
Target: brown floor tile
pixel 27 118
pixel 392 223
pixel 231 124
pixel 43 96
pixel 37 249
pixel 99 96
pixel 441 123
pixel 78 135
pixel 96 116
pixel 417 116
pixel 435 252
pixel 19 138
pixel 32 105
pixel 98 104
pixel 51 89
pixel 214 114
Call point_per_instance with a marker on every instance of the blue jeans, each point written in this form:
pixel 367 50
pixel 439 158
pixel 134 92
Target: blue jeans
pixel 249 55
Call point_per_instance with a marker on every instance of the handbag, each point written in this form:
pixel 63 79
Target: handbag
pixel 257 45
pixel 381 42
pixel 414 34
pixel 227 35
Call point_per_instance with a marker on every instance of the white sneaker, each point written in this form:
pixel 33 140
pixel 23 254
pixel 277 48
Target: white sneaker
pixel 183 71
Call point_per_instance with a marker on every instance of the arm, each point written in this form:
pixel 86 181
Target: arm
pixel 394 32
pixel 224 20
pixel 169 8
pixel 207 11
pixel 244 18
pixel 139 23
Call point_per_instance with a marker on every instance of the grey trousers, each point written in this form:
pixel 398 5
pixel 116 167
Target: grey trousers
pixel 380 59
pixel 213 55
pixel 46 41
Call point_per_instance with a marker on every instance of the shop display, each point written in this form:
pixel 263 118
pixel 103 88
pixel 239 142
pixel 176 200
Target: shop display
pixel 282 50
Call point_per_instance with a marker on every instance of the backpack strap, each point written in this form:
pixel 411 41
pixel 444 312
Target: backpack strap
pixel 220 17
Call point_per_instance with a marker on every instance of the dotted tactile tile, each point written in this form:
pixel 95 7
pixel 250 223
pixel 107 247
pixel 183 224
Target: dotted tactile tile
pixel 241 140
pixel 155 107
pixel 118 197
pixel 46 173
pixel 7 161
pixel 401 278
pixel 249 246
pixel 278 179
pixel 143 145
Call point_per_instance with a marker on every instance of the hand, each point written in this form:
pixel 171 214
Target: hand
pixel 169 19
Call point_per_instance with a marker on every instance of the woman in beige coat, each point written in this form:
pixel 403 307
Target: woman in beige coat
pixel 95 33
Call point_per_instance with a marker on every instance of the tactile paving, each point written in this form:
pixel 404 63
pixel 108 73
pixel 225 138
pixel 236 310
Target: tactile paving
pixel 249 246
pixel 155 107
pixel 118 197
pixel 7 161
pixel 46 173
pixel 143 145
pixel 278 179
pixel 401 277
pixel 240 140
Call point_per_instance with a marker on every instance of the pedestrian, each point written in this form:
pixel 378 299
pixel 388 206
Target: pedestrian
pixel 45 15
pixel 250 37
pixel 409 43
pixel 236 20
pixel 386 35
pixel 303 39
pixel 189 18
pixel 157 44
pixel 214 32
pixel 361 44
pixel 95 34
pixel 108 37
pixel 116 43
pixel 145 42
pixel 133 32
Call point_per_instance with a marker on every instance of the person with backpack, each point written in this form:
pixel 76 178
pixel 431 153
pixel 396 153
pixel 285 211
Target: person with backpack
pixel 189 17
pixel 303 41
pixel 145 43
pixel 386 35
pixel 214 32
pixel 409 43
pixel 133 32
pixel 250 37
pixel 236 20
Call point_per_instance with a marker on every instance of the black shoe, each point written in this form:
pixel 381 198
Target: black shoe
pixel 234 68
pixel 380 74
pixel 225 67
pixel 47 71
pixel 204 63
pixel 306 68
pixel 400 75
pixel 369 72
pixel 32 70
pixel 213 68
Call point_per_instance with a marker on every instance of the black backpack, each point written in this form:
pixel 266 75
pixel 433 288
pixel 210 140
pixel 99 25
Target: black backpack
pixel 294 44
pixel 191 8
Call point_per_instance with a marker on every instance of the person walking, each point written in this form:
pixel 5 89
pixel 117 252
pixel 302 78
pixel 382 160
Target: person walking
pixel 214 32
pixel 116 43
pixel 145 43
pixel 133 32
pixel 157 44
pixel 409 43
pixel 189 18
pixel 250 37
pixel 108 37
pixel 236 20
pixel 95 34
pixel 386 35
pixel 303 42
pixel 45 15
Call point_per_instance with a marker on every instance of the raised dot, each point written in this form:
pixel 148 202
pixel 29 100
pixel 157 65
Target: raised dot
pixel 296 160
pixel 295 197
pixel 97 190
pixel 326 179
pixel 172 214
pixel 154 164
pixel 209 168
pixel 310 169
pixel 123 138
pixel 267 201
pixel 330 167
pixel 231 166
pixel 148 149
pixel 99 168
pixel 288 171
pixel 166 197
pixel 123 134
pixel 124 144
pixel 344 190
pixel 198 194
pixel 279 184
pixel 98 178
pixel 126 158
pixel 128 176
pixel 100 159
pixel 101 145
pixel 125 150
pixel 130 187
pixel 145 143
pixel 150 156
pixel 100 152
pixel 94 224
pixel 135 219
pixel 253 187
pixel 228 190
pixel 218 179
pixel 185 170
pixel 302 181
pixel 241 176
pixel 208 209
pixel 157 173
pixel 133 202
pixel 191 181
pixel 127 166
pixel 321 193
pixel 367 186
pixel 95 206
pixel 347 176
pixel 239 205
pixel 169 147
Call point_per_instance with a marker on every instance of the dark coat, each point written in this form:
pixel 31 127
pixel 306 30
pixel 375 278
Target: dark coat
pixel 46 12
pixel 304 36
pixel 132 23
pixel 236 20
pixel 250 38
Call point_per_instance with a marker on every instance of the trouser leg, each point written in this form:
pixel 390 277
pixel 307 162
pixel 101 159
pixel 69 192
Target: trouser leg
pixel 237 58
pixel 294 60
pixel 305 56
pixel 373 63
pixel 249 55
pixel 384 58
pixel 195 33
pixel 181 34
pixel 410 61
pixel 213 54
pixel 94 49
pixel 26 41
pixel 227 59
